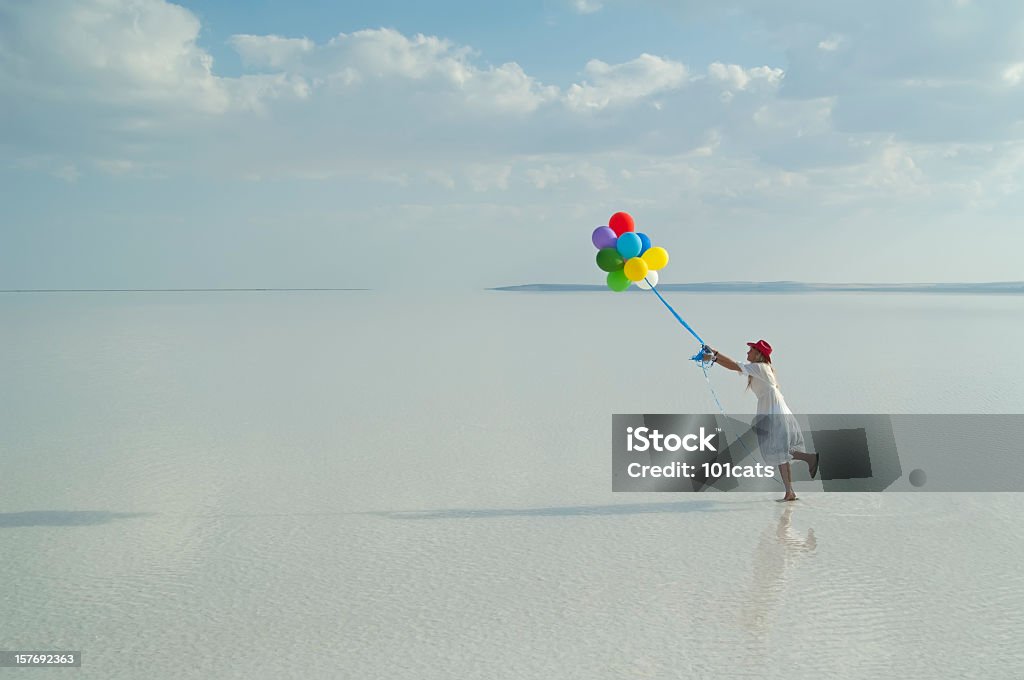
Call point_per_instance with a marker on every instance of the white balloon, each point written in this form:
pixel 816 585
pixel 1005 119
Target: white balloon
pixel 649 282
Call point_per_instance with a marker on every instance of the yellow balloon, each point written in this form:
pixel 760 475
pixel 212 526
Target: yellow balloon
pixel 635 269
pixel 656 257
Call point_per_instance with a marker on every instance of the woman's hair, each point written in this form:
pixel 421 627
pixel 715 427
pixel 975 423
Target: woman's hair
pixel 760 359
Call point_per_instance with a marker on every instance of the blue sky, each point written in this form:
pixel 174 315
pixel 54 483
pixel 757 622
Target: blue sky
pixel 462 144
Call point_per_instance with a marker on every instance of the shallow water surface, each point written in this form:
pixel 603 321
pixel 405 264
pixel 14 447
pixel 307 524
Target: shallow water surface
pixel 364 485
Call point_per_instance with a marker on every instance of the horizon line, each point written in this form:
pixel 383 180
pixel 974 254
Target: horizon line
pixel 170 290
pixel 788 287
pixel 703 286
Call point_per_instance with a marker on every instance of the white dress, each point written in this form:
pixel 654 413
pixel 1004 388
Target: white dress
pixel 778 432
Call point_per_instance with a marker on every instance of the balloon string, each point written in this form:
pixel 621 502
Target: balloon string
pixel 675 314
pixel 704 368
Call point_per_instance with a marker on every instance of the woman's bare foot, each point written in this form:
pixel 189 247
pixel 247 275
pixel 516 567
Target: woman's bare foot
pixel 791 496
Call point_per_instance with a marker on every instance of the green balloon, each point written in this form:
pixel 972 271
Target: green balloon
pixel 609 260
pixel 617 281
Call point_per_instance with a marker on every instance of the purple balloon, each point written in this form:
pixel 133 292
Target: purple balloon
pixel 604 237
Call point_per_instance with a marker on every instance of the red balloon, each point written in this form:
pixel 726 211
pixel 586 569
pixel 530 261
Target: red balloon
pixel 620 223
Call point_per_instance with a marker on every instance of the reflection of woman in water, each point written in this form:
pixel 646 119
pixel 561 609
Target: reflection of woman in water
pixel 778 433
pixel 778 549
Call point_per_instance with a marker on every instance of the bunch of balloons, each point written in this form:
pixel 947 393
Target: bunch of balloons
pixel 627 255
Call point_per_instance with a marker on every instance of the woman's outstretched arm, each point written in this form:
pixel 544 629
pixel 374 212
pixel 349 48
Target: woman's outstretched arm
pixel 724 361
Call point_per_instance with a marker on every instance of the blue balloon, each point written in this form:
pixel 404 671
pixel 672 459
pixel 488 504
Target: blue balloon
pixel 645 242
pixel 629 245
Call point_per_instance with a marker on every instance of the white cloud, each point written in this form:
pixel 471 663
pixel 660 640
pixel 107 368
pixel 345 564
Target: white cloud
pixel 111 55
pixel 586 6
pixel 799 118
pixel 483 177
pixel 738 78
pixel 67 172
pixel 877 57
pixel 561 171
pixel 441 177
pixel 255 92
pixel 894 168
pixel 1014 73
pixel 270 51
pixel 714 140
pixel 386 52
pixel 384 55
pixel 399 179
pixel 611 84
pixel 358 103
pixel 115 166
pixel 830 44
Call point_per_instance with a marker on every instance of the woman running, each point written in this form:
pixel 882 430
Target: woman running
pixel 778 433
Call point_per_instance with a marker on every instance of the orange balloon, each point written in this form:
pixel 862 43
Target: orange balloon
pixel 621 222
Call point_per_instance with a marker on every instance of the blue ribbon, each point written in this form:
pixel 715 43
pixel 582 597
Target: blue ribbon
pixel 699 356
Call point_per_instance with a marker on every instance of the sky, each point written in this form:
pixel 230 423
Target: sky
pixel 458 144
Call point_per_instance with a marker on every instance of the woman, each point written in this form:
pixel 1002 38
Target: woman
pixel 778 433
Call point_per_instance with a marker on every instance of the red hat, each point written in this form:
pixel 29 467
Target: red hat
pixel 762 347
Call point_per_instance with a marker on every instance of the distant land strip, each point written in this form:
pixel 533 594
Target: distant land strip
pixel 992 288
pixel 167 290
